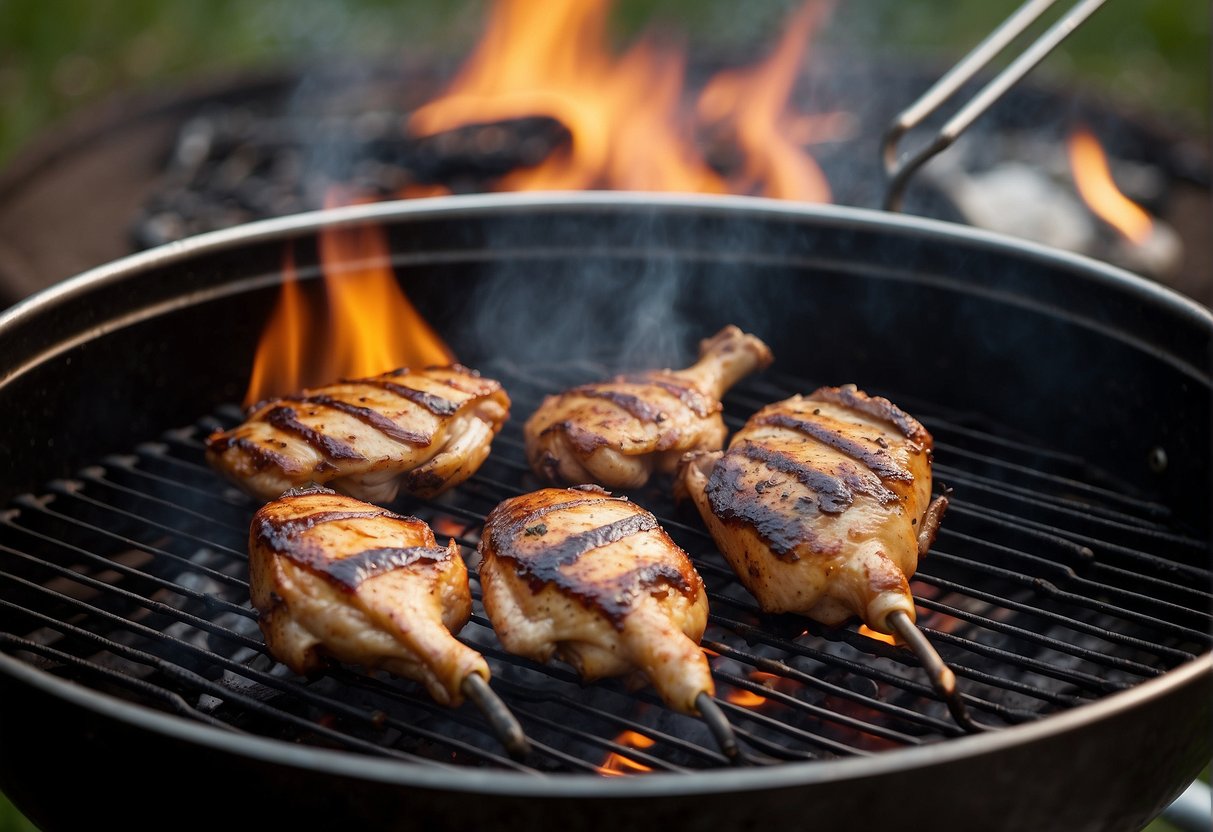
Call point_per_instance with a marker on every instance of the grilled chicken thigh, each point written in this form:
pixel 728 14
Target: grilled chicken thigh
pixel 616 433
pixel 424 431
pixel 333 576
pixel 820 505
pixel 596 581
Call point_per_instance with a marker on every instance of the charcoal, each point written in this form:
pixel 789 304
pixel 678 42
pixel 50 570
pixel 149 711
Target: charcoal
pixel 231 166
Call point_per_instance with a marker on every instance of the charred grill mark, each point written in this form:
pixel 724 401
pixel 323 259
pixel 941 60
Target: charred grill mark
pixel 777 524
pixel 469 382
pixel 880 462
pixel 833 494
pixel 511 523
pixel 542 566
pixel 260 456
pixel 584 440
pixel 367 416
pixel 634 405
pixel 690 396
pixel 434 404
pixel 878 408
pixel 351 571
pixel 284 419
pixel 284 538
pixel 279 534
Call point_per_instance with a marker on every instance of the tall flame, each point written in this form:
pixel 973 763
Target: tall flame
pixel 629 129
pixel 1093 178
pixel 370 327
pixel 625 114
pixel 751 103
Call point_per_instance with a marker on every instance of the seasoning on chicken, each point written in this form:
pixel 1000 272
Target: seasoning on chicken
pixel 820 505
pixel 424 432
pixel 616 433
pixel 334 577
pixel 594 580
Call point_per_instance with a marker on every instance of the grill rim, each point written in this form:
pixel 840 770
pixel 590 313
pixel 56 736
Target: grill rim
pixel 655 784
pixel 480 205
pixel 1157 694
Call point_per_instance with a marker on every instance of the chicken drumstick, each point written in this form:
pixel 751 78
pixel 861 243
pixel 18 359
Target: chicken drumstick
pixel 822 505
pixel 335 577
pixel 424 431
pixel 616 433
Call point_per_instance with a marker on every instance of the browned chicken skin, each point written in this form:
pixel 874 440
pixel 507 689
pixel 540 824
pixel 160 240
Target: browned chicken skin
pixel 596 581
pixel 334 576
pixel 424 431
pixel 820 505
pixel 616 433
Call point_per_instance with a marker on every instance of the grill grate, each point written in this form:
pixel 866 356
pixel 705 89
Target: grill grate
pixel 1048 587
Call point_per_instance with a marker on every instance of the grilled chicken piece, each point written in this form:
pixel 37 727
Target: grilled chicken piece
pixel 596 581
pixel 820 505
pixel 616 433
pixel 424 431
pixel 334 576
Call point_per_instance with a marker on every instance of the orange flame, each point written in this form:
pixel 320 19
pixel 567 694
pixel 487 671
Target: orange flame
pixel 1092 176
pixel 865 630
pixel 371 326
pixel 625 113
pixel 749 699
pixel 617 764
pixel 752 102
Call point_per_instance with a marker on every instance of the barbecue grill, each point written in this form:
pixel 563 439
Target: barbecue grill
pixel 1069 588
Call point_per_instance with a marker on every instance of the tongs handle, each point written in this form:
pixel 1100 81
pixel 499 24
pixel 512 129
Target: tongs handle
pixel 900 169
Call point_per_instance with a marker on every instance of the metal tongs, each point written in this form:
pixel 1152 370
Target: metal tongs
pixel 900 169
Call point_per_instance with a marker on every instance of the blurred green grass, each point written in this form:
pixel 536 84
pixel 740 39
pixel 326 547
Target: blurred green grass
pixel 59 56
pixel 56 57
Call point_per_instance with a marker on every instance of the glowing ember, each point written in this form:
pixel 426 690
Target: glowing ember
pixel 1093 178
pixel 370 326
pixel 617 764
pixel 446 526
pixel 625 113
pixel 865 630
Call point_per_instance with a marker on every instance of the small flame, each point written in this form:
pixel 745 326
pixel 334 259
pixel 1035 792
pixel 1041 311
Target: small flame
pixel 1092 176
pixel 751 103
pixel 749 699
pixel 625 113
pixel 745 698
pixel 617 764
pixel 371 327
pixel 865 630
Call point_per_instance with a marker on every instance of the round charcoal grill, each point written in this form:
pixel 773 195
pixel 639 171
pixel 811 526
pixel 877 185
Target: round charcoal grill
pixel 1069 588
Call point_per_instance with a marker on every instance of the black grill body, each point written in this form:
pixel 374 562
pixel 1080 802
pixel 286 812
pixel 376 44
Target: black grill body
pixel 1070 587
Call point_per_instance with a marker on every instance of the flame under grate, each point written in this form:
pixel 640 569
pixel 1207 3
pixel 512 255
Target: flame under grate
pixel 1047 588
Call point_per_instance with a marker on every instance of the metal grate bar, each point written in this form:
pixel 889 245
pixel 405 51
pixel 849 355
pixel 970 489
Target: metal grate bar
pixel 794 648
pixel 198 683
pixel 1065 574
pixel 1080 511
pixel 173 701
pixel 1052 591
pixel 42 506
pixel 1034 616
pixel 214 659
pixel 782 670
pixel 1084 545
pixel 74 491
pixel 130 571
